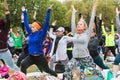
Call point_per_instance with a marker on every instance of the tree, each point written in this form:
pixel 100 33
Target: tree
pixel 59 13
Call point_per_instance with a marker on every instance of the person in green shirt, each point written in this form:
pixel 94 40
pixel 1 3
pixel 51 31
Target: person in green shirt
pixel 18 40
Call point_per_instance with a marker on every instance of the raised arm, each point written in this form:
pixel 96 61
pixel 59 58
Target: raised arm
pixel 117 21
pixel 73 25
pixel 103 29
pixel 26 23
pixel 98 28
pixel 92 19
pixel 22 23
pixel 34 16
pixel 53 36
pixel 46 23
pixel 7 12
pixel 112 28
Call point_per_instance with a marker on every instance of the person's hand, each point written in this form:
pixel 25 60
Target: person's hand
pixel 51 6
pixel 117 11
pixel 23 8
pixel 73 8
pixel 112 21
pixel 102 23
pixel 95 5
pixel 81 17
pixel 34 16
pixel 22 17
pixel 54 23
pixel 10 29
pixel 100 16
pixel 5 5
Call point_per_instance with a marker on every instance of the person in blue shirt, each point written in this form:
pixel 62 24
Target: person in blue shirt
pixel 37 35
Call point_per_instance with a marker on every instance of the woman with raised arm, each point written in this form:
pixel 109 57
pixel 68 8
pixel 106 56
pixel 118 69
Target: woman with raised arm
pixel 4 29
pixel 36 35
pixel 94 43
pixel 81 36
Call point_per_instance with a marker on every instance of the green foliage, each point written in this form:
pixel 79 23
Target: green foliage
pixel 60 12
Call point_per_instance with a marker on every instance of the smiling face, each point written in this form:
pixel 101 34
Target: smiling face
pixel 34 29
pixel 81 26
pixel 35 26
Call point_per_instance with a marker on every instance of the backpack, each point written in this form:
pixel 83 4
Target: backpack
pixel 4 70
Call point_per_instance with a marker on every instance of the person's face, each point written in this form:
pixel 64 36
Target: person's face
pixel 93 34
pixel 66 32
pixel 17 34
pixel 81 25
pixel 34 29
pixel 47 39
pixel 108 33
pixel 60 33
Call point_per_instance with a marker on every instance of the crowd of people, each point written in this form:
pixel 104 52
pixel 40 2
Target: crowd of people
pixel 76 46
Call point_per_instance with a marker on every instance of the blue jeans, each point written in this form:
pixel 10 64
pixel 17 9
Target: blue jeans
pixel 7 57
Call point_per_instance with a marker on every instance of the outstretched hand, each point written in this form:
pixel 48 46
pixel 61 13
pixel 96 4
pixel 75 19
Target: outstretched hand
pixel 74 8
pixel 6 5
pixel 22 17
pixel 100 16
pixel 34 16
pixel 95 5
pixel 23 8
pixel 11 30
pixel 117 11
pixel 54 23
pixel 51 6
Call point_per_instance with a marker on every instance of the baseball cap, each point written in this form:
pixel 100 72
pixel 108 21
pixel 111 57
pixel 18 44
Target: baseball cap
pixel 61 29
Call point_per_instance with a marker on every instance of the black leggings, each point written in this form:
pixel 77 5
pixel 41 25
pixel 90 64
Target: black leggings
pixel 40 61
pixel 112 48
pixel 20 58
